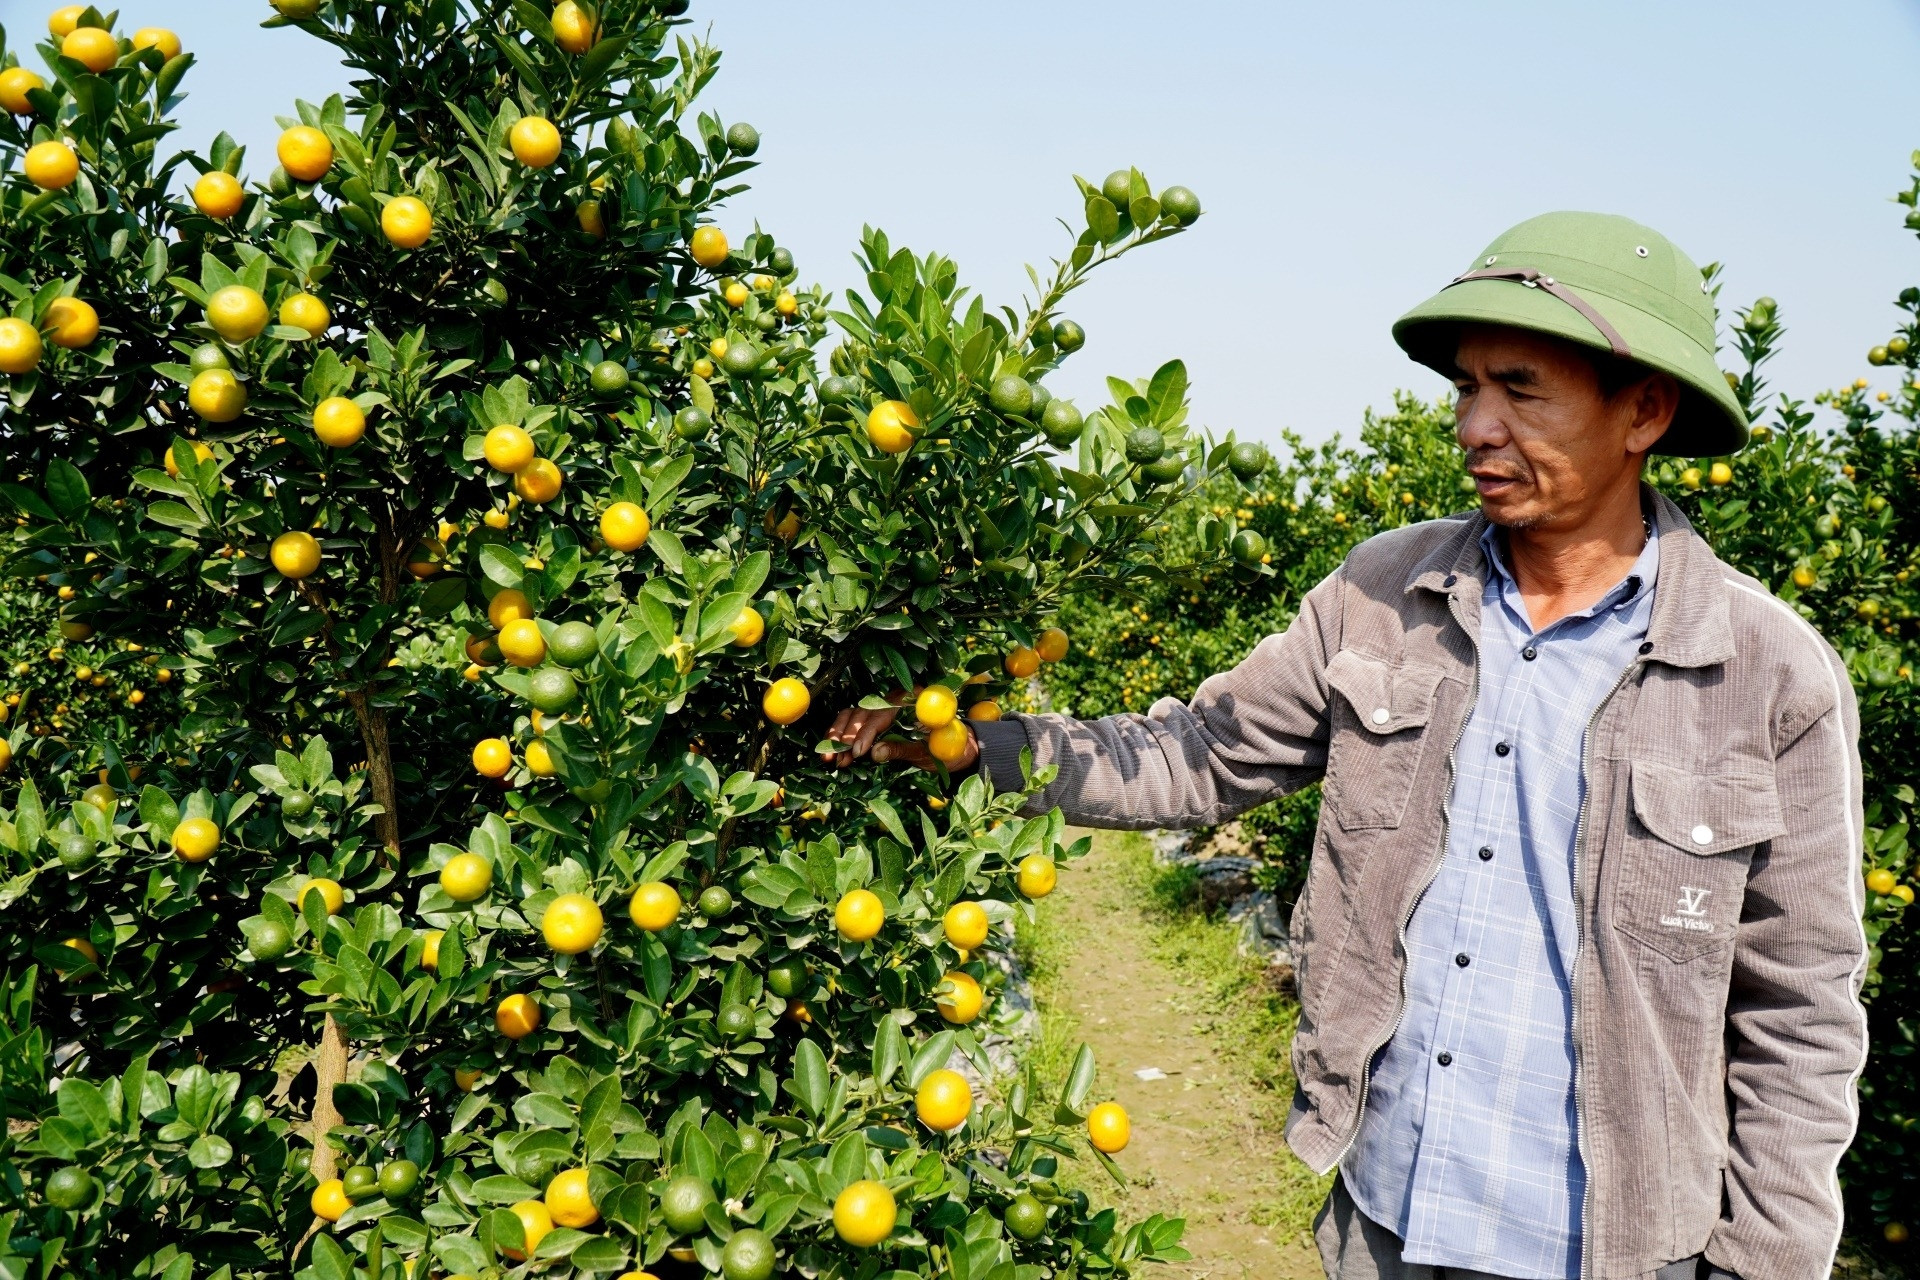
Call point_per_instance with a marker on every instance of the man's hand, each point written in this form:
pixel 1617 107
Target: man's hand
pixel 857 730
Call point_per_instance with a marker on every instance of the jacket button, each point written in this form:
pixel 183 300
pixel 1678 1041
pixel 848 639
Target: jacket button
pixel 1703 834
pixel 1646 647
pixel 1445 1059
pixel 1381 715
pixel 1451 579
pixel 1502 748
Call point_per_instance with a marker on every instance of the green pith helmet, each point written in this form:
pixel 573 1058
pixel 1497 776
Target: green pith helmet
pixel 1601 281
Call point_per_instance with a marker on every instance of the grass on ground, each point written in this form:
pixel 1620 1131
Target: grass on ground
pixel 1230 995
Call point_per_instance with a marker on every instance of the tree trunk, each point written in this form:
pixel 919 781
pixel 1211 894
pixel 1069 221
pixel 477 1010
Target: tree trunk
pixel 330 1062
pixel 373 720
pixel 373 735
pixel 329 1069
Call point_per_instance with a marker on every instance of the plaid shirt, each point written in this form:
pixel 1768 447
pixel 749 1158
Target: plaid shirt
pixel 1468 1149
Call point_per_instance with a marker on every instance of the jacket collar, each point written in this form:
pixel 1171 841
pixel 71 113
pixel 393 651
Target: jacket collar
pixel 1690 625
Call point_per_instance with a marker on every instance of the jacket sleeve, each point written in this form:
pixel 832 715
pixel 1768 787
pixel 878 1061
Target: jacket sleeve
pixel 1250 735
pixel 1797 1034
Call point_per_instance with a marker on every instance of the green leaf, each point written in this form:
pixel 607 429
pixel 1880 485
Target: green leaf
pixel 601 1107
pixel 1166 394
pixel 28 501
pixel 278 909
pixel 1102 217
pixel 546 819
pixel 599 1253
pixel 978 351
pixel 889 818
pixel 175 515
pixel 29 819
pixel 83 1104
pixel 658 618
pixel 501 1189
pixel 193 1096
pixel 61 1138
pixel 848 1158
pixel 502 566
pixel 601 57
pixel 67 489
pixel 159 812
pixel 666 546
pixel 534 19
pixel 719 614
pixel 700 393
pixel 209 1151
pixel 779 1212
pixel 930 1057
pixel 752 573
pixel 666 862
pixel 313 909
pixel 656 969
pixel 170 76
pixel 888 1048
pixel 330 1260
pixel 1073 1094
pixel 630 1207
pixel 442 596
pixel 668 479
pixel 809 1085
pixel 453 952
pixel 459 1253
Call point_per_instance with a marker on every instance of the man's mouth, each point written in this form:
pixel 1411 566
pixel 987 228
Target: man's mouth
pixel 1490 483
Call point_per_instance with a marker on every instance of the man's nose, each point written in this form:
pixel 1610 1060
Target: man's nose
pixel 1479 424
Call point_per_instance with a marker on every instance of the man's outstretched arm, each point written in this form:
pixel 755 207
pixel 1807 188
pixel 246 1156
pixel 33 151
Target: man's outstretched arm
pixel 1248 736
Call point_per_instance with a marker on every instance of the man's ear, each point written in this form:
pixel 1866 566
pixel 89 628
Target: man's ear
pixel 1654 401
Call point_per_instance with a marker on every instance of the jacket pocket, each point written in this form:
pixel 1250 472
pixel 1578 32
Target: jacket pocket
pixel 1378 732
pixel 1684 862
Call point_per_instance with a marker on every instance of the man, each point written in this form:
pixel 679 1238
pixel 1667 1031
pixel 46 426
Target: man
pixel 1579 950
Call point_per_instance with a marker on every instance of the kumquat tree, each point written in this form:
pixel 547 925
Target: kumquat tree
pixel 433 561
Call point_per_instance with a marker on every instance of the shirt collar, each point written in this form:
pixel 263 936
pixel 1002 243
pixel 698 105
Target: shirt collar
pixel 1636 586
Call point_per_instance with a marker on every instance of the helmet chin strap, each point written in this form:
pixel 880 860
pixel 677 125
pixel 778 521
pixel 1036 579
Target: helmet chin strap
pixel 1534 280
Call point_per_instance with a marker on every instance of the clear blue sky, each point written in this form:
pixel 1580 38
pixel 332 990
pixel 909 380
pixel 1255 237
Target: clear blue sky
pixel 1351 156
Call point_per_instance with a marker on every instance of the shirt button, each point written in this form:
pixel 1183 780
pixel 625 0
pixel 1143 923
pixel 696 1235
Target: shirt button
pixel 1703 834
pixel 1462 960
pixel 1445 1059
pixel 1381 715
pixel 1486 853
pixel 1529 653
pixel 1502 748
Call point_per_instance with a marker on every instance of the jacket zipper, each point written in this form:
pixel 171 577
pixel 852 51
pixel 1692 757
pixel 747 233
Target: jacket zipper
pixel 1433 873
pixel 1573 975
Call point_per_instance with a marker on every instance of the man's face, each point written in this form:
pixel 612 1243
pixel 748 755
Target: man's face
pixel 1544 445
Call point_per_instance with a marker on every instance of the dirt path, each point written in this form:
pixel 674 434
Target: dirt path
pixel 1206 1142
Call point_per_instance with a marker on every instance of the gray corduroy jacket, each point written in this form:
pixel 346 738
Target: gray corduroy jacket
pixel 1717 1026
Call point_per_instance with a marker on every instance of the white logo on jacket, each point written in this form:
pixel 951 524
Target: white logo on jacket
pixel 1693 911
